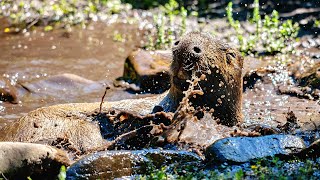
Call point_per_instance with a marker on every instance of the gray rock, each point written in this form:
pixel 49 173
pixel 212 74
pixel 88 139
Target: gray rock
pixel 20 160
pixel 243 149
pixel 115 164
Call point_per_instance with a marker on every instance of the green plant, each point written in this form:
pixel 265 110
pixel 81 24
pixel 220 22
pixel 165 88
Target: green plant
pixel 159 19
pixel 118 37
pixel 266 168
pixel 165 23
pixel 64 13
pixel 271 35
pixel 316 23
pixel 245 45
pixel 63 173
pixel 184 14
pixel 256 19
pixel 239 175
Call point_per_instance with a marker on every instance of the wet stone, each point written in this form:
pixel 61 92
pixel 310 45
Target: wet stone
pixel 149 70
pixel 243 149
pixel 20 160
pixel 8 93
pixel 310 151
pixel 62 86
pixel 316 56
pixel 311 77
pixel 115 164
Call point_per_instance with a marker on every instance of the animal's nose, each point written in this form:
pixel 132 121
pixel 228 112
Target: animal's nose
pixel 196 50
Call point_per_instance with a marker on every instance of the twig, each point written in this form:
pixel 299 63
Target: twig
pixel 4 177
pixel 33 23
pixel 102 99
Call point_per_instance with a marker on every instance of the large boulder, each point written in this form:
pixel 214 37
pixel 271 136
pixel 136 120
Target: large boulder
pixel 20 160
pixel 115 164
pixel 148 69
pixel 243 149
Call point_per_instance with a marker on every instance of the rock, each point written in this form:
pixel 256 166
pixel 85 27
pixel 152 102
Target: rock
pixel 20 160
pixel 63 86
pixel 115 164
pixel 8 92
pixel 311 151
pixel 149 70
pixel 243 149
pixel 311 77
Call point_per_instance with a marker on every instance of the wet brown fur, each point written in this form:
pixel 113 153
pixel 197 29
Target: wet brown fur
pixel 71 120
pixel 200 53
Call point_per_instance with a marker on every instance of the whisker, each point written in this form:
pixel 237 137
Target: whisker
pixel 188 67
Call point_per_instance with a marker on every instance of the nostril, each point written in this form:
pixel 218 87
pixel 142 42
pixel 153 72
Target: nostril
pixel 197 49
pixel 176 43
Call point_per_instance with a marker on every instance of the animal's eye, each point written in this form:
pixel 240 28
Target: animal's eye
pixel 176 43
pixel 231 56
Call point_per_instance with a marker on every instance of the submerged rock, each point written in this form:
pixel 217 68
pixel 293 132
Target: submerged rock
pixel 311 77
pixel 20 160
pixel 243 149
pixel 62 86
pixel 115 164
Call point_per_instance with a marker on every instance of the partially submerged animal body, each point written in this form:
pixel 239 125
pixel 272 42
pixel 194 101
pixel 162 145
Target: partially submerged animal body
pixel 207 70
pixel 200 54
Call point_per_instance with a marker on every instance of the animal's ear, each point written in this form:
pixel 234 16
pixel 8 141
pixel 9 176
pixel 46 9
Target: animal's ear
pixel 231 56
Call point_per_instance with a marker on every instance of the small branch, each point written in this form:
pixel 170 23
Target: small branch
pixel 102 99
pixel 4 177
pixel 33 23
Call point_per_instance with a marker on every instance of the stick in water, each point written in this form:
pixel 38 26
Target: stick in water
pixel 102 99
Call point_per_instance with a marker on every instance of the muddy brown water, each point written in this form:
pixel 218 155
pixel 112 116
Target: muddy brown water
pixel 95 55
pixel 91 53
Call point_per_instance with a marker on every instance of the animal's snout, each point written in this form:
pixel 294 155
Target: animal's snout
pixel 196 50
